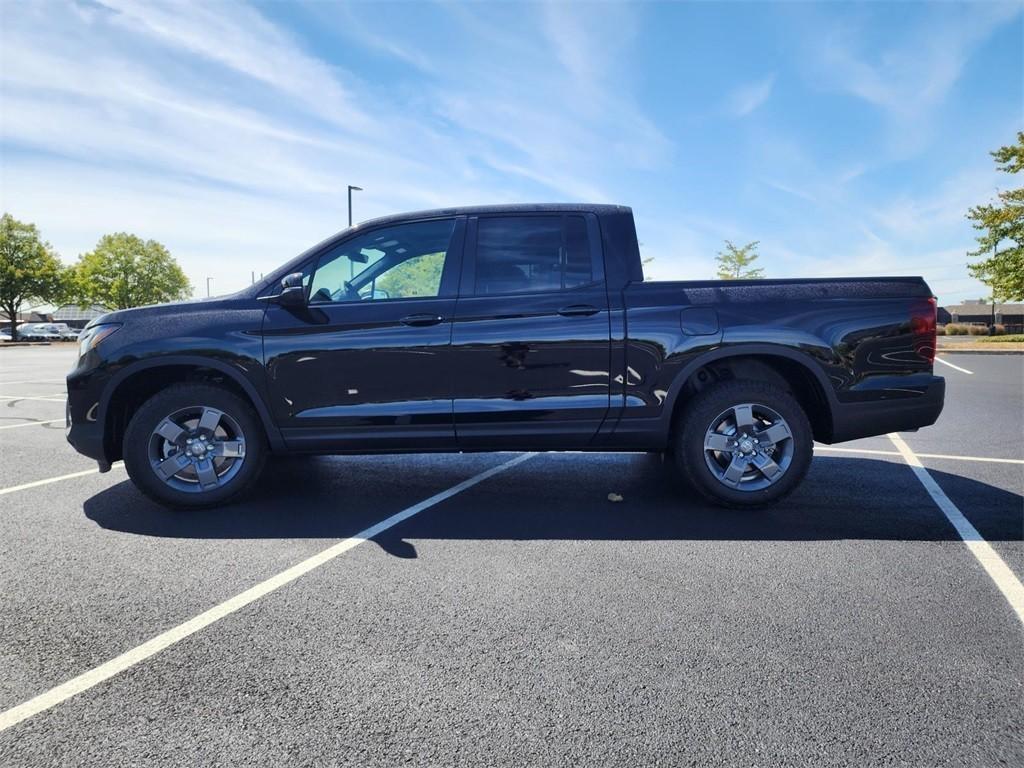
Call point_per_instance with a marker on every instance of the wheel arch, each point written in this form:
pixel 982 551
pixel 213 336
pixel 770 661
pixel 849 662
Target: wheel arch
pixel 133 385
pixel 784 367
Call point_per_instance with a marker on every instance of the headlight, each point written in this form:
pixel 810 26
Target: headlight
pixel 92 336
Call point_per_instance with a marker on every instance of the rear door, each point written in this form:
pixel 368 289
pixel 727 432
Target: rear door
pixel 530 341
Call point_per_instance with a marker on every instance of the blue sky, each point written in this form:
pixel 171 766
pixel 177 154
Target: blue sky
pixel 849 139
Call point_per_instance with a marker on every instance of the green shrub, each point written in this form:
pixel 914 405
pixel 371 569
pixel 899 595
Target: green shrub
pixel 1000 329
pixel 956 329
pixel 1008 338
pixel 977 330
pixel 940 330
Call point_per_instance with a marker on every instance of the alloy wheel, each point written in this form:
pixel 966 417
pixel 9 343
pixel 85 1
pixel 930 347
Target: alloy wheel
pixel 197 449
pixel 748 447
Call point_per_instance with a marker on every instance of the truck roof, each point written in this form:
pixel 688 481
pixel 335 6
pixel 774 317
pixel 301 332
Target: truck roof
pixel 610 212
pixel 474 210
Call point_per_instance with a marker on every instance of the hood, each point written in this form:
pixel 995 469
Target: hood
pixel 156 310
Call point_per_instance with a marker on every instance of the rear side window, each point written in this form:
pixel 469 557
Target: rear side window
pixel 527 254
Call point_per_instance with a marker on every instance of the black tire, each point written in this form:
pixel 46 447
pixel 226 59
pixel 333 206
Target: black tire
pixel 144 449
pixel 706 470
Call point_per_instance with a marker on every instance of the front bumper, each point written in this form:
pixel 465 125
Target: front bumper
pixel 868 418
pixel 87 439
pixel 84 426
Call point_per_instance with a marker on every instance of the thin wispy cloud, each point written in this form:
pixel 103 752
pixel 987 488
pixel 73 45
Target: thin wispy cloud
pixel 749 97
pixel 917 71
pixel 217 100
pixel 230 130
pixel 241 39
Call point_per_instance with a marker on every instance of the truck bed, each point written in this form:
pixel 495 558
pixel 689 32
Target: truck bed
pixel 705 292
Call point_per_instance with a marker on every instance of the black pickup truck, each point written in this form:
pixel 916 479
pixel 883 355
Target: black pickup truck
pixel 526 327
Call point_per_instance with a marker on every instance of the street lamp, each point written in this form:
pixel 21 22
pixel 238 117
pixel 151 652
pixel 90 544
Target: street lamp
pixel 992 325
pixel 350 190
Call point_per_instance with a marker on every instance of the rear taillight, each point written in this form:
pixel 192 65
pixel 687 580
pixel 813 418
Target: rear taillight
pixel 922 327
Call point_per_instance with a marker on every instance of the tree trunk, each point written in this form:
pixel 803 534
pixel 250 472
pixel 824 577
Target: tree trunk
pixel 13 317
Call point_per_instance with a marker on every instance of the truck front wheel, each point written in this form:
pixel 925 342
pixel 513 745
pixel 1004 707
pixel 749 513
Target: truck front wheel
pixel 743 443
pixel 194 445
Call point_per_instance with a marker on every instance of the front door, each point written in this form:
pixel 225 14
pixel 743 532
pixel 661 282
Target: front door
pixel 531 340
pixel 364 366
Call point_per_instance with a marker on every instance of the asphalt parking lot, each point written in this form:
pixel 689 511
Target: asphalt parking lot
pixel 520 617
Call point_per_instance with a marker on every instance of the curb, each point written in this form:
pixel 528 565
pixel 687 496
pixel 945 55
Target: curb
pixel 5 344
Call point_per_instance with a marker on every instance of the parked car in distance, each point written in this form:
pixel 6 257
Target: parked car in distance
pixel 502 328
pixel 35 332
pixel 67 333
pixel 25 331
pixel 47 332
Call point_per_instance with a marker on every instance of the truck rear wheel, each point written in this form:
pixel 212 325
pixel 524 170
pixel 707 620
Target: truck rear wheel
pixel 194 445
pixel 743 443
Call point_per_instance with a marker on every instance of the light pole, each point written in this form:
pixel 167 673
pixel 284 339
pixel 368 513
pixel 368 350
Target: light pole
pixel 350 190
pixel 992 325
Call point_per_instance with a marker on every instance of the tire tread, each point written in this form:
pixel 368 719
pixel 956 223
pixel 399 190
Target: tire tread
pixel 135 446
pixel 688 441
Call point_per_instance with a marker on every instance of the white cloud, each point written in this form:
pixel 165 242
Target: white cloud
pixel 587 44
pixel 910 77
pixel 749 97
pixel 211 129
pixel 942 210
pixel 238 37
pixel 215 131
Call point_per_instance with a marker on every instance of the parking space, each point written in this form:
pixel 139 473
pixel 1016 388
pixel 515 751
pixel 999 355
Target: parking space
pixel 993 425
pixel 524 618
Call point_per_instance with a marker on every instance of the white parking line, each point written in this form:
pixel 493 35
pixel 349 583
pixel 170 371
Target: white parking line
pixel 872 452
pixel 957 367
pixel 994 565
pixel 31 424
pixel 54 398
pixel 57 479
pixel 33 381
pixel 166 639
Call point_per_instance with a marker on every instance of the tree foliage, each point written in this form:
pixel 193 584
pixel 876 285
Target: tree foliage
pixel 125 271
pixel 734 263
pixel 1001 225
pixel 420 276
pixel 30 271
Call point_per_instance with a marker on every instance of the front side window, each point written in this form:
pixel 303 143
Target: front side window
pixel 401 262
pixel 526 254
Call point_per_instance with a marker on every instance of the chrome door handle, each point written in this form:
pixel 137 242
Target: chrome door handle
pixel 418 321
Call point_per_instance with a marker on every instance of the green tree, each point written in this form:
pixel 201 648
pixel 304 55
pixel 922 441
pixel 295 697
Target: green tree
pixel 734 263
pixel 126 271
pixel 29 269
pixel 1002 226
pixel 420 276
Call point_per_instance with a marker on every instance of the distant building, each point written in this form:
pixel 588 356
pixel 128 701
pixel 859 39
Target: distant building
pixel 26 317
pixel 979 312
pixel 77 317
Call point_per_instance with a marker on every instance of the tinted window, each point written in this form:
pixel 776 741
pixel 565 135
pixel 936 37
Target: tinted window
pixel 579 270
pixel 520 254
pixel 400 262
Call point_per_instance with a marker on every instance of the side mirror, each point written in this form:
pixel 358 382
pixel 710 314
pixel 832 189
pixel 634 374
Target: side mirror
pixel 293 292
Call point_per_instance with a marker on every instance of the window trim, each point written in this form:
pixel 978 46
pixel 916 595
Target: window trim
pixel 449 287
pixel 471 253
